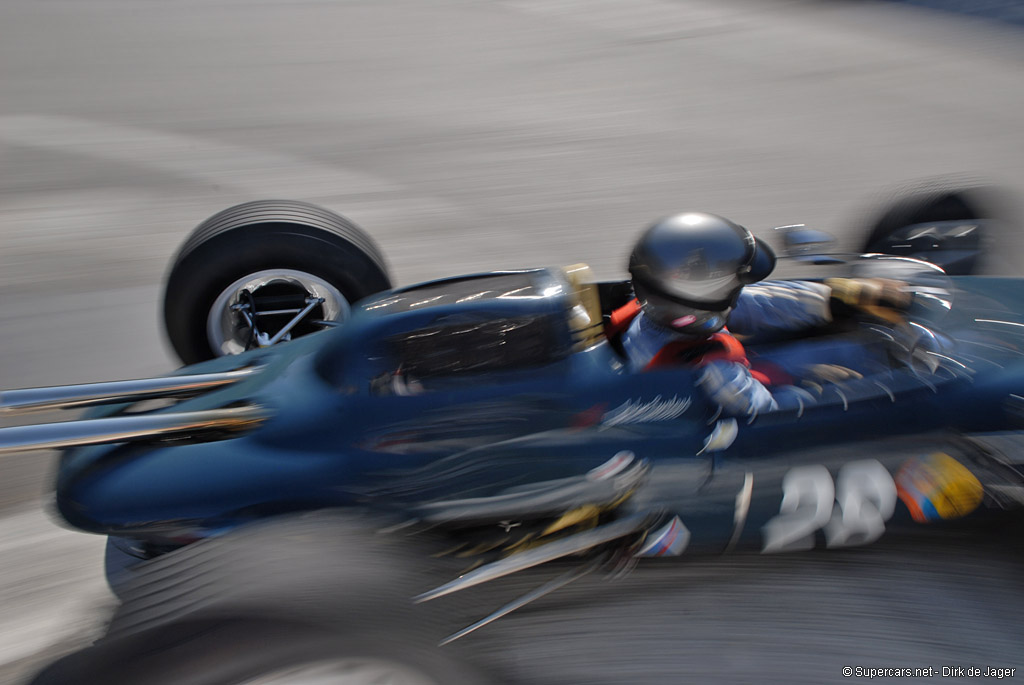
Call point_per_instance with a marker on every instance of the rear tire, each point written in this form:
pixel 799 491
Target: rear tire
pixel 941 202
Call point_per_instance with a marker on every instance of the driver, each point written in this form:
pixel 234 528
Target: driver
pixel 689 273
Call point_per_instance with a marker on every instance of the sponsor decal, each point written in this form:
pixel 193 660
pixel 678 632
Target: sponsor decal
pixel 589 417
pixel 657 409
pixel 938 487
pixel 684 320
pixel 612 467
pixel 668 541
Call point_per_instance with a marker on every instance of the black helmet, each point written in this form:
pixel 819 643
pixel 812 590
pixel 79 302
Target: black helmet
pixel 688 269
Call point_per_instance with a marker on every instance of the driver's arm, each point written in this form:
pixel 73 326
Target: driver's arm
pixel 786 306
pixel 781 306
pixel 731 386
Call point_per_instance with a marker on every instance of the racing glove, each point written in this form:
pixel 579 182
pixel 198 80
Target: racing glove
pixel 879 297
pixel 816 377
pixel 730 386
pixel 918 347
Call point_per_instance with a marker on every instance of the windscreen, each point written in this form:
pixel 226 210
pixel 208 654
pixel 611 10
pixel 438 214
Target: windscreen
pixel 507 286
pixel 475 347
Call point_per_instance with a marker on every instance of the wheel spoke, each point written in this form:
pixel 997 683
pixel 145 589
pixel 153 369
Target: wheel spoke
pixel 236 322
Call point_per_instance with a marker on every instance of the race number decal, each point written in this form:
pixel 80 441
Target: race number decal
pixel 852 511
pixel 865 500
pixel 807 496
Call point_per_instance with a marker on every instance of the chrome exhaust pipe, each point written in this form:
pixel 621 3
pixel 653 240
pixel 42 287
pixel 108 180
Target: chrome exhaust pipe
pixel 128 428
pixel 114 392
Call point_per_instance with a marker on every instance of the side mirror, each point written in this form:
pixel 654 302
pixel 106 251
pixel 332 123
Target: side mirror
pixel 808 244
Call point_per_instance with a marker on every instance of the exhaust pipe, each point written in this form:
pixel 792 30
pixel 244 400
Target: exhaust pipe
pixel 115 392
pixel 129 428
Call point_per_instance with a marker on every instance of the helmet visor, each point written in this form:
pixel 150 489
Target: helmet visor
pixel 678 316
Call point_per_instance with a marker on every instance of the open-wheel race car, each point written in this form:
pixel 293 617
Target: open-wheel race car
pixel 339 461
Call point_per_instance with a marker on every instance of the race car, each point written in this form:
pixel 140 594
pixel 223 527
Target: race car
pixel 338 448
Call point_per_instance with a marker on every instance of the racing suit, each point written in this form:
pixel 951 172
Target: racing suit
pixel 763 308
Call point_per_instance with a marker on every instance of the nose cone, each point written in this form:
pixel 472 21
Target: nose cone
pixel 147 491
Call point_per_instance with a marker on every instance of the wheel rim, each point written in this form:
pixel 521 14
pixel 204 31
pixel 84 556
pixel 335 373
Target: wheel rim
pixel 353 671
pixel 229 333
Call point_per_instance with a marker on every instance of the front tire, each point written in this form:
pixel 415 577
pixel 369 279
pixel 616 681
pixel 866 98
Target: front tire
pixel 310 594
pixel 278 252
pixel 245 651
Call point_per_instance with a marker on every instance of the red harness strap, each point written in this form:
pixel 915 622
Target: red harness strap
pixel 622 317
pixel 721 346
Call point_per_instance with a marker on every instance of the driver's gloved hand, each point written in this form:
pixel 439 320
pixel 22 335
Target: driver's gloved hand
pixel 870 294
pixel 730 386
pixel 794 397
pixel 820 374
pixel 920 348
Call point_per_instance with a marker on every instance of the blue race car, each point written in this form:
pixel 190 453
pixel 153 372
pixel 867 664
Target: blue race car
pixel 491 425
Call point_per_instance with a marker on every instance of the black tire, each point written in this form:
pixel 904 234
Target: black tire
pixel 118 565
pixel 281 594
pixel 239 650
pixel 933 202
pixel 263 236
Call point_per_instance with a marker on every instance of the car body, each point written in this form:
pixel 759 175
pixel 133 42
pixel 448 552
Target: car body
pixel 497 417
pixel 446 402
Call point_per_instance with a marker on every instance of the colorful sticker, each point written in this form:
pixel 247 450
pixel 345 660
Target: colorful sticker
pixel 612 467
pixel 668 541
pixel 938 487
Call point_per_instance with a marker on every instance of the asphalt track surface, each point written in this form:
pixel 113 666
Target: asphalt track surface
pixel 469 135
pixel 1008 11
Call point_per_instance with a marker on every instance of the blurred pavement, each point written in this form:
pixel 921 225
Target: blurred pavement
pixel 467 135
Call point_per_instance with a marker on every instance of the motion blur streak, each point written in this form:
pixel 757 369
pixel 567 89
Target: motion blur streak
pixel 475 135
pixel 52 585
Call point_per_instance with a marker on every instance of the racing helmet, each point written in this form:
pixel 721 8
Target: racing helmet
pixel 688 270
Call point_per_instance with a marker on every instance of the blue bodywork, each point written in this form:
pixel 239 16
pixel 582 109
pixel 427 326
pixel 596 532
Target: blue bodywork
pixel 473 387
